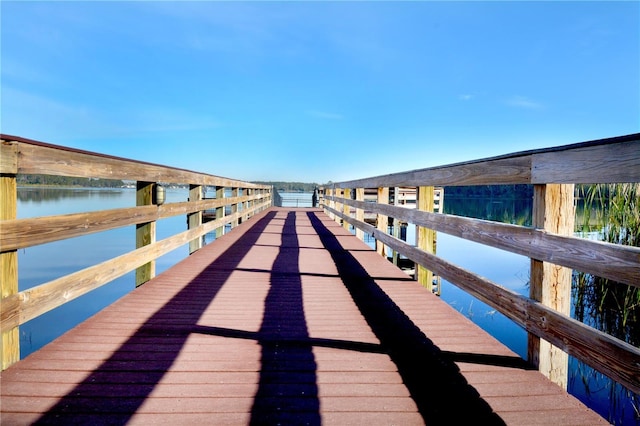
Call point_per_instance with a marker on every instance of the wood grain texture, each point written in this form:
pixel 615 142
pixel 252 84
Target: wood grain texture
pixel 22 233
pixel 220 210
pixel 600 161
pixel 10 338
pixel 613 261
pixel 8 157
pixel 607 163
pixel 40 158
pixel 145 231
pixel 345 207
pixel 235 206
pixel 425 238
pixel 382 220
pixel 550 284
pixel 194 219
pixel 359 192
pixel 506 171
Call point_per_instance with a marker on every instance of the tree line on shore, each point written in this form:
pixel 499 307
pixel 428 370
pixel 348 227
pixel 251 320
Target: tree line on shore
pixel 68 181
pixel 478 191
pixel 290 186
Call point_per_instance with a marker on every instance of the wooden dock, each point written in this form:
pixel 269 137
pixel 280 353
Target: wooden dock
pixel 288 319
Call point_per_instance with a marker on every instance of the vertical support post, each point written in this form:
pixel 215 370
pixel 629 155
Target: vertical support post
pixel 247 204
pixel 332 204
pixel 360 212
pixel 553 211
pixel 396 222
pixel 145 232
pixel 382 221
pixel 9 268
pixel 235 192
pixel 265 199
pixel 195 219
pixel 346 209
pixel 219 210
pixel 425 237
pixel 255 203
pixel 252 202
pixel 338 193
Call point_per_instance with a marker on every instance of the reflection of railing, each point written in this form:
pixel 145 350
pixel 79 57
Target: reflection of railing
pixel 553 251
pixel 20 156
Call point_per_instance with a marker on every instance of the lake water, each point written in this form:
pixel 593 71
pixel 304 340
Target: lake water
pixel 43 263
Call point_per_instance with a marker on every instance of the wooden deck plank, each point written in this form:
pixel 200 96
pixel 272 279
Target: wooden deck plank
pixel 287 319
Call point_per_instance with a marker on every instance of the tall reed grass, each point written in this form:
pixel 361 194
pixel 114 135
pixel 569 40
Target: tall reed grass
pixel 611 213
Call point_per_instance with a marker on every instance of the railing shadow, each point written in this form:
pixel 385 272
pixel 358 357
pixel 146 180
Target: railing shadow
pixel 287 392
pixel 114 391
pixel 441 392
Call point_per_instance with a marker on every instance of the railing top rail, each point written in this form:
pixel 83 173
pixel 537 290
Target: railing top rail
pixel 21 155
pixel 608 160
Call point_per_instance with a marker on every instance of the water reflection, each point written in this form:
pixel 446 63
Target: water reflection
pixel 514 211
pixel 45 194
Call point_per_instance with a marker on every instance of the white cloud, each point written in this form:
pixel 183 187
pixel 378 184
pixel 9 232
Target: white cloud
pixel 523 102
pixel 38 117
pixel 33 116
pixel 168 120
pixel 465 97
pixel 325 115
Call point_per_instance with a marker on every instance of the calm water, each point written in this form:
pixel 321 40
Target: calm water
pixel 43 263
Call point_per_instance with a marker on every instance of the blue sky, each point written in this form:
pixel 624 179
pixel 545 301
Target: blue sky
pixel 318 91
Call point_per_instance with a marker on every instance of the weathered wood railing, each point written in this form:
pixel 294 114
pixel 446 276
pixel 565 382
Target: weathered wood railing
pixel 549 243
pixel 21 156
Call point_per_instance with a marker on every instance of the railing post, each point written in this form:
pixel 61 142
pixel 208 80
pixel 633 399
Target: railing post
pixel 332 204
pixel 235 192
pixel 195 219
pixel 261 200
pixel 9 264
pixel 247 204
pixel 382 221
pixel 265 199
pixel 254 193
pixel 425 237
pixel 145 232
pixel 396 222
pixel 338 193
pixel 219 210
pixel 553 211
pixel 360 212
pixel 346 209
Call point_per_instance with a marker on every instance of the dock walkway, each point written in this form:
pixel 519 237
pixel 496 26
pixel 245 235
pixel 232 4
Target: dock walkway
pixel 288 319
